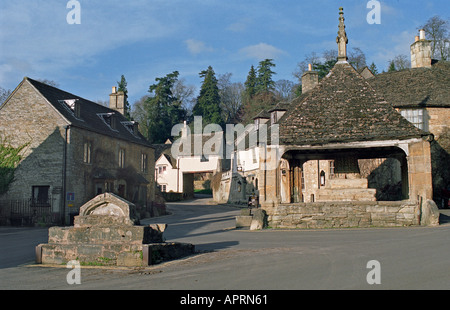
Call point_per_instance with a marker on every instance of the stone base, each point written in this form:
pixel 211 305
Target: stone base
pixel 113 254
pixel 244 221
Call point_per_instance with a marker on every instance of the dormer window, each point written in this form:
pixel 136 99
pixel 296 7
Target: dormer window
pixel 132 127
pixel 109 119
pixel 72 106
pixel 273 117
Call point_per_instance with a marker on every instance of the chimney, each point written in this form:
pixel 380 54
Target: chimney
pixel 309 79
pixel 421 51
pixel 117 101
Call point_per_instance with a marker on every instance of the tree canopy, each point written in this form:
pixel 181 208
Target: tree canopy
pixel 208 102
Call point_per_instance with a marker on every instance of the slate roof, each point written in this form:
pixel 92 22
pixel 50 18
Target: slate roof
pixel 418 87
pixel 89 114
pixel 342 108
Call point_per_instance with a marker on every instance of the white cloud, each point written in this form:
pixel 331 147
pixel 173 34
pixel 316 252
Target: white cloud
pixel 196 47
pixel 37 41
pixel 261 51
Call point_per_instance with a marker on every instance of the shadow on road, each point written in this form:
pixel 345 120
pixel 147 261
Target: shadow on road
pixel 215 246
pixel 444 217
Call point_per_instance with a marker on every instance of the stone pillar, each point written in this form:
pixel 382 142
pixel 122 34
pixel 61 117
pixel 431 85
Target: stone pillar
pixel 419 170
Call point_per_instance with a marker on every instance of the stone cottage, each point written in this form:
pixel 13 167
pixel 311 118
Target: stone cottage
pixel 422 95
pixel 78 149
pixel 312 176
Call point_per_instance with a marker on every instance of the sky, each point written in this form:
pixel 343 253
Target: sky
pixel 147 39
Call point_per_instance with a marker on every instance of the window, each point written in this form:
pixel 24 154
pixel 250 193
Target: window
pixel 144 163
pixel 322 178
pixel 109 119
pixel 416 117
pixel 87 152
pixel 40 196
pixel 72 106
pixel 331 169
pixel 122 158
pixel 163 188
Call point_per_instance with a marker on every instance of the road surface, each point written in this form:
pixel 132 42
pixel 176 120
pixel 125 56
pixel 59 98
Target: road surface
pixel 229 259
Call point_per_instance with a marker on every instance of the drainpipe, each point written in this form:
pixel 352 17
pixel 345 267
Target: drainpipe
pixel 63 200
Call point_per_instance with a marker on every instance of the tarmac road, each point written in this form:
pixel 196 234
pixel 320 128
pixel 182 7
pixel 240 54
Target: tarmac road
pixel 229 259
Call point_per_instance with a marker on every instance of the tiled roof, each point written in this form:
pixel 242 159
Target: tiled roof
pixel 342 108
pixel 418 87
pixel 90 114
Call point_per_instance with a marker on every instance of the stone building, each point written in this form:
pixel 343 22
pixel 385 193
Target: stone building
pixel 323 139
pixel 422 95
pixel 78 149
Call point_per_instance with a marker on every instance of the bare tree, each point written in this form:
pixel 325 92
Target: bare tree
pixel 357 58
pixel 285 90
pixel 231 97
pixel 437 30
pixel 399 62
pixel 4 94
pixel 185 94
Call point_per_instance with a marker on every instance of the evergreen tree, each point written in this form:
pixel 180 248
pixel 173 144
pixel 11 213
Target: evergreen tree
pixel 250 84
pixel 392 66
pixel 264 82
pixel 373 68
pixel 122 86
pixel 208 101
pixel 163 109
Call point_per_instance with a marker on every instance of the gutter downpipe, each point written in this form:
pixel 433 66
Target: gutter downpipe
pixel 63 200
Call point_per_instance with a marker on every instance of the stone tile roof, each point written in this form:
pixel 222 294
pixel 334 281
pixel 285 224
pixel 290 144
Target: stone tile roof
pixel 89 114
pixel 418 87
pixel 342 108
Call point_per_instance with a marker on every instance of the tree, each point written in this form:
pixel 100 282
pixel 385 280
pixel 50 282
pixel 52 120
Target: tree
pixel 264 82
pixel 4 94
pixel 285 90
pixel 399 62
pixel 391 67
pixel 250 84
pixel 373 68
pixel 9 159
pixel 437 30
pixel 208 102
pixel 231 95
pixel 184 94
pixel 163 110
pixel 122 86
pixel 357 58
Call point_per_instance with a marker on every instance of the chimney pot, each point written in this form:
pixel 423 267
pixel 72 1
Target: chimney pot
pixel 309 67
pixel 422 34
pixel 416 39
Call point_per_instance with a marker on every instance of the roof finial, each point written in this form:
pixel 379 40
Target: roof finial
pixel 342 39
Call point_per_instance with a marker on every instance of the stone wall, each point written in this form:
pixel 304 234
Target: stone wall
pixel 344 214
pixel 28 118
pixel 84 178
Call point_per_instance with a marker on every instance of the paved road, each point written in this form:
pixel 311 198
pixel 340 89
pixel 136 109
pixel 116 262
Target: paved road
pixel 410 258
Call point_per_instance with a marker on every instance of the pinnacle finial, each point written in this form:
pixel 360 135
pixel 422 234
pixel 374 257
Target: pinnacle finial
pixel 342 39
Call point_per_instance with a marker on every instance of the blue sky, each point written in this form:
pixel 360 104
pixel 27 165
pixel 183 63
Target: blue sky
pixel 148 39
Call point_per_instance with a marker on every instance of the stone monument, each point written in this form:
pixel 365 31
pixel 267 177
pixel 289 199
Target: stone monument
pixel 107 232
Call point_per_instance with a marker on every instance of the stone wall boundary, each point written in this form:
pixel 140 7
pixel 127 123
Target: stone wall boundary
pixel 317 215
